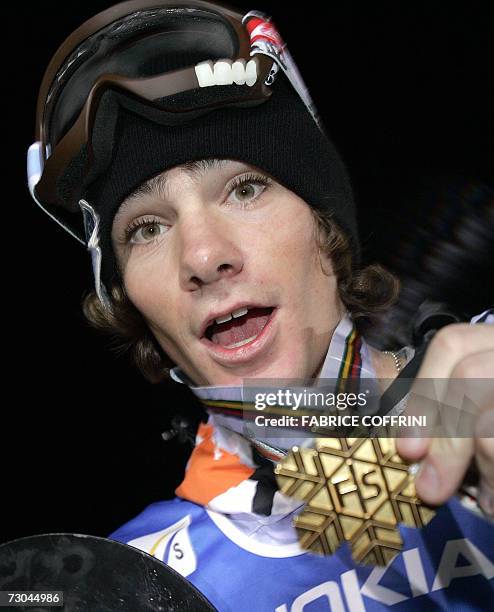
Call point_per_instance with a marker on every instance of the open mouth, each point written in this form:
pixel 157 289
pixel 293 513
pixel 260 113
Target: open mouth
pixel 239 327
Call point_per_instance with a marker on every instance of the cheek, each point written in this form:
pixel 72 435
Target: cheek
pixel 287 235
pixel 155 303
pixel 148 295
pixel 308 275
pixel 137 290
pixel 295 252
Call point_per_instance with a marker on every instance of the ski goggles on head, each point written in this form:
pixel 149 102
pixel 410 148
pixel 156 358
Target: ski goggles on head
pixel 150 51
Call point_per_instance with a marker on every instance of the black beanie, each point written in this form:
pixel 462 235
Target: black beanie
pixel 132 143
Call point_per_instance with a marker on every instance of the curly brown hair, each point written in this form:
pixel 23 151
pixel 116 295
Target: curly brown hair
pixel 365 292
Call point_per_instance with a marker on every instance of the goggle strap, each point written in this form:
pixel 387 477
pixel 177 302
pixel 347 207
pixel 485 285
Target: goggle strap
pixel 266 40
pixel 34 172
pixel 295 78
pixel 91 225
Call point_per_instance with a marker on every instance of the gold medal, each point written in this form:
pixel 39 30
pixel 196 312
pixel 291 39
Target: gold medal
pixel 356 490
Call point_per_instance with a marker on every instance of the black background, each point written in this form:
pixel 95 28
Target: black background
pixel 404 90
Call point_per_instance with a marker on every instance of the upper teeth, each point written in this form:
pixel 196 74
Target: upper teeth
pixel 226 72
pixel 234 315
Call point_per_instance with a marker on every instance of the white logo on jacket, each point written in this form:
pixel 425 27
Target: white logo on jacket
pixel 171 545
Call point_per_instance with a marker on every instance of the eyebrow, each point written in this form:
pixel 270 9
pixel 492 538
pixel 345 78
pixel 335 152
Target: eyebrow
pixel 157 185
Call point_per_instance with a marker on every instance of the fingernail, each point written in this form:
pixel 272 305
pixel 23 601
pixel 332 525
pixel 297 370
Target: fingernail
pixel 411 445
pixel 428 476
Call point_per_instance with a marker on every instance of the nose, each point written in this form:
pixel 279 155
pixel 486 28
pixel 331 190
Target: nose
pixel 208 252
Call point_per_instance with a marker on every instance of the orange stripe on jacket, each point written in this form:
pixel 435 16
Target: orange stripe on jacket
pixel 211 473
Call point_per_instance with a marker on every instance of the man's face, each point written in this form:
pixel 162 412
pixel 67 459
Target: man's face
pixel 221 237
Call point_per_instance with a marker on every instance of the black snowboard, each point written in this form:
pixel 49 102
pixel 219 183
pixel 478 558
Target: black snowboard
pixel 95 575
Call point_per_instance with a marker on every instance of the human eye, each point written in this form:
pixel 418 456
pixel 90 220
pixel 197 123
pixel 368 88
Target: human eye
pixel 245 189
pixel 145 230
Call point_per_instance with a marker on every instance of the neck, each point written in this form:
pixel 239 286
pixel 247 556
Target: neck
pixel 384 366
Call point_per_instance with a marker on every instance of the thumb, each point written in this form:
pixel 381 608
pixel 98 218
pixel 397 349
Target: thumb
pixel 484 454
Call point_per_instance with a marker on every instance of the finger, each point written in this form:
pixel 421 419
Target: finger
pixel 450 408
pixel 458 351
pixel 413 442
pixel 443 469
pixel 453 343
pixel 484 455
pixel 412 448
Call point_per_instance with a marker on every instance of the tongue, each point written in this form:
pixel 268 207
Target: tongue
pixel 239 330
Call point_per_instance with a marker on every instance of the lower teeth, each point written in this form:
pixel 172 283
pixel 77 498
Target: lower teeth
pixel 241 343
